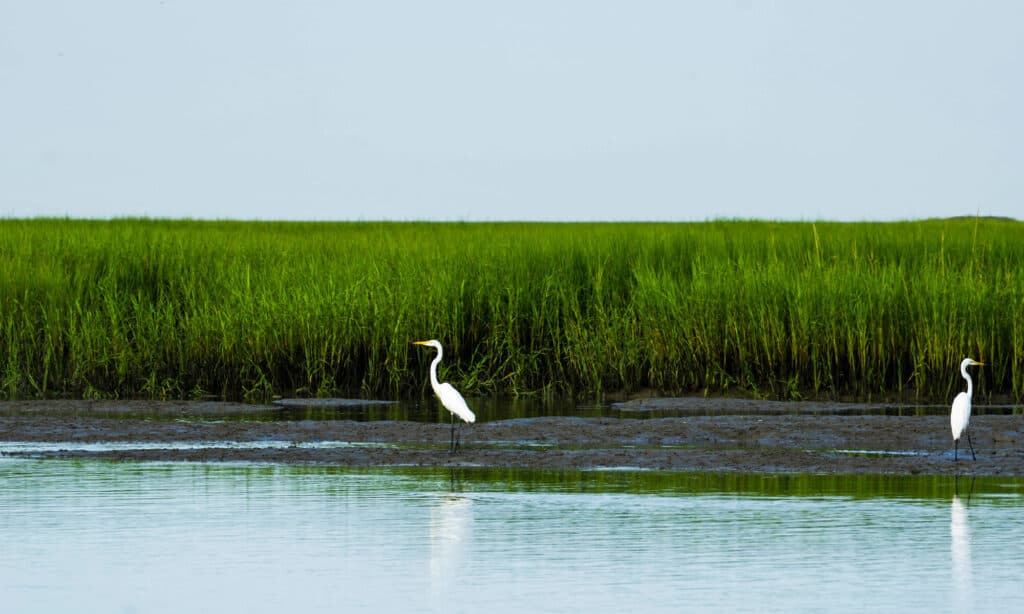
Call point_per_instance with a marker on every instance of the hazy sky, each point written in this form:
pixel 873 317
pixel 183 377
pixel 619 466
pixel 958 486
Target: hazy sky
pixel 563 110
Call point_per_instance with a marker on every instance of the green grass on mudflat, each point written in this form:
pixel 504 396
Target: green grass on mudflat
pixel 160 308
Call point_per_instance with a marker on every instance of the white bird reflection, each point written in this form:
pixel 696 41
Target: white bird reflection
pixel 451 529
pixel 960 551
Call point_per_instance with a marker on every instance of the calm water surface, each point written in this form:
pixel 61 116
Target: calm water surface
pixel 92 536
pixel 486 409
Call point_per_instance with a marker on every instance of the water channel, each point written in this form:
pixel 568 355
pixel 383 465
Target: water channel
pixel 99 536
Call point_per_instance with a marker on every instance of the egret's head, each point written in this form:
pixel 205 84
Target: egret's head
pixel 434 343
pixel 967 362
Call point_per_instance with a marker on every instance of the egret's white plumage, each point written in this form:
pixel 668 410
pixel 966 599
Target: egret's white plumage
pixel 446 393
pixel 960 417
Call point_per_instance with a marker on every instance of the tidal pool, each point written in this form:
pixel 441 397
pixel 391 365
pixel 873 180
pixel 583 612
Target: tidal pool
pixel 93 536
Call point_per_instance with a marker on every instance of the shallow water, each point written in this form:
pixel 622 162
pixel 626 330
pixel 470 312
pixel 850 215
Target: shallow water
pixel 489 408
pixel 161 537
pixel 486 409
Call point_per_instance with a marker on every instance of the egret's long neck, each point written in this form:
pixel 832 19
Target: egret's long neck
pixel 970 384
pixel 433 369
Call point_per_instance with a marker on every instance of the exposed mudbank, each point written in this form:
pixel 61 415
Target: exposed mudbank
pixel 731 435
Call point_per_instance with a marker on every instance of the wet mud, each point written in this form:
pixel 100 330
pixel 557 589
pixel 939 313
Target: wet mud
pixel 741 436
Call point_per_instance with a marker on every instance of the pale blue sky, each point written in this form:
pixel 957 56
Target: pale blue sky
pixel 553 110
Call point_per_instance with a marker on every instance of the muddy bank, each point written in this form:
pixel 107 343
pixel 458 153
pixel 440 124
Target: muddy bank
pixel 808 440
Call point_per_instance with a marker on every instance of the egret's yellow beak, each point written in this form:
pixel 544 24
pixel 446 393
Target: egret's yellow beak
pixel 980 364
pixel 419 342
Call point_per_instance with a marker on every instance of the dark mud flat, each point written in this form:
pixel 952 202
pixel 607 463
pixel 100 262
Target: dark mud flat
pixel 805 441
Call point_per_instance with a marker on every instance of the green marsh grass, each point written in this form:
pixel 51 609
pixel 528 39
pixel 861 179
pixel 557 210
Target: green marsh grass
pixel 245 310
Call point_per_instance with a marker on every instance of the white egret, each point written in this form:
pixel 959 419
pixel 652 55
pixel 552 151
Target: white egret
pixel 448 395
pixel 961 414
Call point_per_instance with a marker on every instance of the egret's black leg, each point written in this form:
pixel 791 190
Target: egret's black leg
pixel 452 446
pixel 973 456
pixel 956 443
